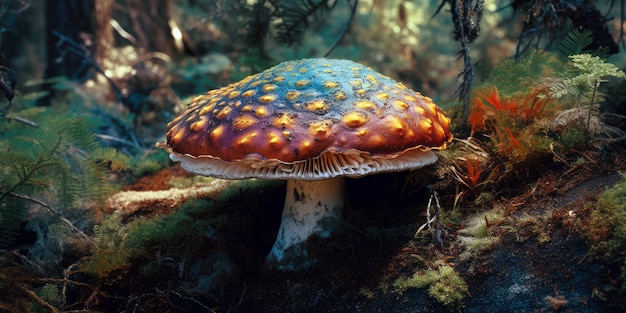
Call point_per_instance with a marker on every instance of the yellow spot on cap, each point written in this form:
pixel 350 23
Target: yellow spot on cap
pixel 303 70
pixel 292 95
pixel 438 132
pixel 372 79
pixel 273 139
pixel 376 140
pixel 303 82
pixel 431 107
pixel 420 110
pixel 244 139
pixel 444 120
pixel 396 125
pixel 305 145
pixel 244 121
pixel 269 87
pixel 174 121
pixel 233 94
pixel 261 111
pixel 247 108
pixel 382 95
pixel 400 105
pixel 426 125
pixel 331 84
pixel 267 98
pixel 191 118
pixel 356 83
pixel 248 78
pixel 400 86
pixel 223 113
pixel 178 136
pixel 318 106
pixel 361 92
pixel 248 93
pixel 354 119
pixel 364 104
pixel 320 129
pixel 410 98
pixel 340 95
pixel 217 133
pixel 199 125
pixel 361 132
pixel 198 98
pixel 284 120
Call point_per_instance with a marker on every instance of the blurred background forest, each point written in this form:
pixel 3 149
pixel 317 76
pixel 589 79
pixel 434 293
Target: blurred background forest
pixel 88 87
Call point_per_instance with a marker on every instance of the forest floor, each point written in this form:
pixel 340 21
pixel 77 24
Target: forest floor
pixel 534 258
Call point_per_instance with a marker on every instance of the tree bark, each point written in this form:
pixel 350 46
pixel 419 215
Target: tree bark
pixel 76 31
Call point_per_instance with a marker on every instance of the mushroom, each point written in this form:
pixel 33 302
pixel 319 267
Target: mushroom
pixel 310 122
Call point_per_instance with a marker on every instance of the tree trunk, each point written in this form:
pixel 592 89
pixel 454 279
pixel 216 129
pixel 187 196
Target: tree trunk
pixel 151 22
pixel 77 34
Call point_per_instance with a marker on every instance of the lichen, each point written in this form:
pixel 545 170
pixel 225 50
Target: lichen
pixel 444 285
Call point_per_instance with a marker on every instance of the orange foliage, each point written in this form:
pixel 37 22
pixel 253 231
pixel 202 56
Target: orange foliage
pixel 470 176
pixel 473 173
pixel 505 117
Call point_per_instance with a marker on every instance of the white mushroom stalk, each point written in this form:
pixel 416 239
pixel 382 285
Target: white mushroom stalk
pixel 312 208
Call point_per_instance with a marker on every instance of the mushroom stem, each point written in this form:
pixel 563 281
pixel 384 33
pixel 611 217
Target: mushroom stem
pixel 311 208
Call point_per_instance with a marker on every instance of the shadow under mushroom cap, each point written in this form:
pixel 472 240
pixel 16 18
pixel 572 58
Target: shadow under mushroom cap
pixel 327 165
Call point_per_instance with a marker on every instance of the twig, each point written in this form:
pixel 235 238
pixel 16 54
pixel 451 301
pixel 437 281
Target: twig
pixel 119 140
pixel 192 299
pixel 55 212
pixel 346 27
pixel 433 223
pixel 38 299
pixel 81 51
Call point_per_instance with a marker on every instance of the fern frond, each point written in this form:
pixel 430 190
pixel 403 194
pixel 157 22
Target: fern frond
pixel 575 42
pixel 63 154
pixel 68 187
pixel 593 68
pixel 563 88
pixel 115 160
pixel 12 213
pixel 516 75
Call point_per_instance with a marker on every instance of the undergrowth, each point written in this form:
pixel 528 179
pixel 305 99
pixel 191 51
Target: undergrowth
pixel 533 112
pixel 59 162
pixel 606 232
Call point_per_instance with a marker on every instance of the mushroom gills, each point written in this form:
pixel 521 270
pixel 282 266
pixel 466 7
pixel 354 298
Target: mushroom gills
pixel 312 208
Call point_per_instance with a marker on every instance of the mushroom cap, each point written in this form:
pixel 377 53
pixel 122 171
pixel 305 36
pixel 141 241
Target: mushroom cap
pixel 308 119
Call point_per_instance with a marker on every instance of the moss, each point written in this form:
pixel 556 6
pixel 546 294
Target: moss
pixel 180 182
pixel 151 163
pixel 192 220
pixel 606 231
pixel 574 138
pixel 444 285
pixel 479 236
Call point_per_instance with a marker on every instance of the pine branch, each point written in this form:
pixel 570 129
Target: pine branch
pixel 294 17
